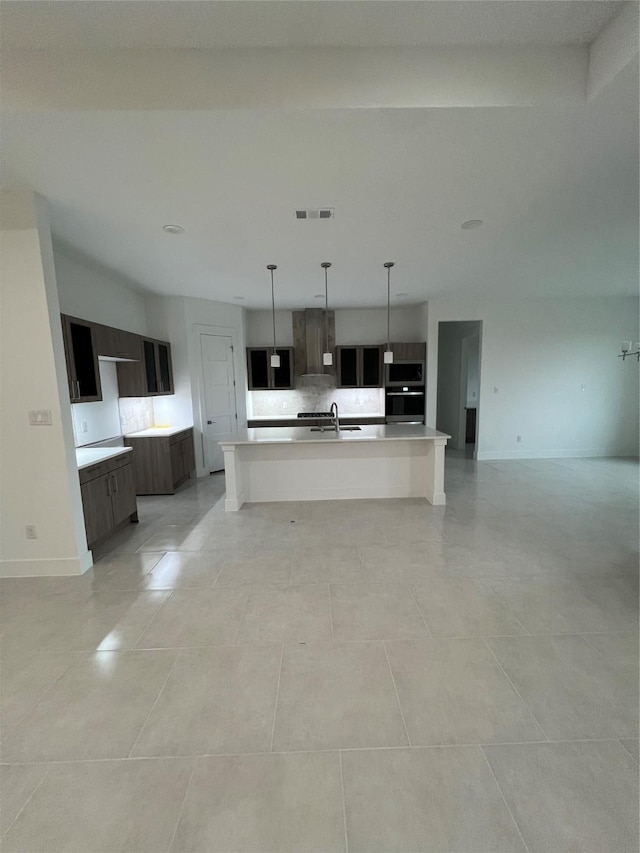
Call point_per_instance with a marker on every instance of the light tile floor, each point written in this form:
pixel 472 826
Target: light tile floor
pixel 342 676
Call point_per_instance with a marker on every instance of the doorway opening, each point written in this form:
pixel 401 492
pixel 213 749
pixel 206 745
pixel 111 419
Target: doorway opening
pixel 458 404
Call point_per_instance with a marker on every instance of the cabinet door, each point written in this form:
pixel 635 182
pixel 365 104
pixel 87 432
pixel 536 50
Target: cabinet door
pixel 96 505
pixel 116 343
pixel 123 493
pixel 189 454
pixel 258 369
pixel 347 367
pixel 371 367
pixel 165 373
pixel 282 377
pixel 151 367
pixel 177 462
pixel 82 359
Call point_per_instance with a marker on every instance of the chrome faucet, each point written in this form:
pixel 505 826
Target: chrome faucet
pixel 336 417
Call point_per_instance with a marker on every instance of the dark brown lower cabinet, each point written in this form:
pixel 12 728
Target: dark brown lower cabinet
pixel 162 463
pixel 108 496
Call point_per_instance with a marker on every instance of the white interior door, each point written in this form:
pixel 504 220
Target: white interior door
pixel 220 411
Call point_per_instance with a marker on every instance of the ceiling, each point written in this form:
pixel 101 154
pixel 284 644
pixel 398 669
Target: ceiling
pixel 556 184
pixel 305 23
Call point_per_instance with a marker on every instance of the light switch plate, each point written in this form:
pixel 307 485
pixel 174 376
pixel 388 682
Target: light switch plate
pixel 41 417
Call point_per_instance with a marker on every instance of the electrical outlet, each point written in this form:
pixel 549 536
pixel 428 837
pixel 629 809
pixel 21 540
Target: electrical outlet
pixel 30 531
pixel 582 388
pixel 518 439
pixel 84 426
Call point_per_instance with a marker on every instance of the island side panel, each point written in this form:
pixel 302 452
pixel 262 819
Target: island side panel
pixel 434 479
pixel 334 471
pixel 234 477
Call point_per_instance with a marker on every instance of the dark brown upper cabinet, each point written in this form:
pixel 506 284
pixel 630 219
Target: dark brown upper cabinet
pixel 117 344
pixel 150 377
pixel 359 366
pixel 263 377
pixel 81 353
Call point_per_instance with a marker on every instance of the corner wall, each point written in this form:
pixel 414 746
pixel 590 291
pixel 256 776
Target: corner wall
pixel 536 358
pixel 40 483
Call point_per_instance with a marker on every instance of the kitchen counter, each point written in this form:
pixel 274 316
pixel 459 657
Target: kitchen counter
pixel 376 432
pixel 158 432
pixel 86 456
pixel 299 464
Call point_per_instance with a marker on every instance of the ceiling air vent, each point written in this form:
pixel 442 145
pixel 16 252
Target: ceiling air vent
pixel 316 213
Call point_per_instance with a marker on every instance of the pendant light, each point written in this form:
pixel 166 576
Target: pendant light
pixel 388 354
pixel 327 357
pixel 275 358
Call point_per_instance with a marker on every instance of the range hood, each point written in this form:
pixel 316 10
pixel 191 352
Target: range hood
pixel 309 344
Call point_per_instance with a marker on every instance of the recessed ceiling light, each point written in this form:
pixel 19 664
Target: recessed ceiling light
pixel 471 223
pixel 173 229
pixel 239 298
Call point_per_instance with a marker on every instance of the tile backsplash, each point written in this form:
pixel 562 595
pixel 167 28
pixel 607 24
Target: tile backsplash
pixel 351 401
pixel 136 413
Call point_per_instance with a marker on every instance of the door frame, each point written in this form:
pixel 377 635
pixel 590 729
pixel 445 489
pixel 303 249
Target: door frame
pixel 199 415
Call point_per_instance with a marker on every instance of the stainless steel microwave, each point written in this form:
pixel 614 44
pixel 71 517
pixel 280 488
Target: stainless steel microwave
pixel 405 373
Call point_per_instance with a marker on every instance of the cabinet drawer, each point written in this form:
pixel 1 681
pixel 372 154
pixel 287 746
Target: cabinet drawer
pixel 180 436
pixel 102 468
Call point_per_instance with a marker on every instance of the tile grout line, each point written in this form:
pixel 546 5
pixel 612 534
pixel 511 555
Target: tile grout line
pixel 28 800
pixel 243 614
pixel 621 742
pixel 344 804
pixel 393 681
pixel 414 747
pixel 184 801
pixel 331 612
pixel 134 647
pixel 517 692
pixel 486 583
pixel 606 659
pixel 504 800
pixel 422 616
pixel 275 704
pixel 155 702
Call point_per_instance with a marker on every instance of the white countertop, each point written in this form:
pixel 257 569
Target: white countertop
pixel 158 432
pixel 379 432
pixel 86 456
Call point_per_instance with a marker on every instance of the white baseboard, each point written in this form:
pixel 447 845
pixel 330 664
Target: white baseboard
pixel 56 567
pixel 485 455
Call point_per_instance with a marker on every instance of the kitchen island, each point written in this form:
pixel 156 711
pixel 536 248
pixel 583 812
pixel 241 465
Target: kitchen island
pixel 302 464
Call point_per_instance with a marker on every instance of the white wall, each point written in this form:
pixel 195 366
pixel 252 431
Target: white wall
pixel 353 326
pixel 539 354
pixel 90 292
pixel 40 483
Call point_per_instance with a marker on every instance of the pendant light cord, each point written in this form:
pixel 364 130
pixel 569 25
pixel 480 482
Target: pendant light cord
pixel 326 311
pixel 273 309
pixel 388 266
